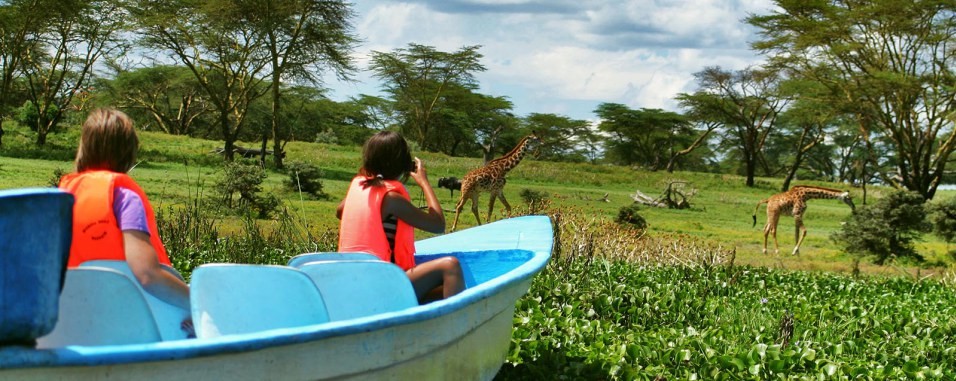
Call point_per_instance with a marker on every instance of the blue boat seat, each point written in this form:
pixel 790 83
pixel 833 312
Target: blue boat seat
pixel 168 317
pixel 101 306
pixel 236 298
pixel 299 260
pixel 354 289
pixel 36 226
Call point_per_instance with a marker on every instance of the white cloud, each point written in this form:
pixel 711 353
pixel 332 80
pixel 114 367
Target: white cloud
pixel 568 56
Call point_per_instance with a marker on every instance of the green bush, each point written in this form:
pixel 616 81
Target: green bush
pixel 27 115
pixel 531 196
pixel 628 215
pixel 58 174
pixel 885 229
pixel 305 178
pixel 245 179
pixel 942 214
pixel 327 137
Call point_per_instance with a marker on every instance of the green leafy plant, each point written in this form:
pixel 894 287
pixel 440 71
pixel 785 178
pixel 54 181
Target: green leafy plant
pixel 306 178
pixel 54 180
pixel 245 179
pixel 886 229
pixel 27 115
pixel 536 200
pixel 942 214
pixel 629 215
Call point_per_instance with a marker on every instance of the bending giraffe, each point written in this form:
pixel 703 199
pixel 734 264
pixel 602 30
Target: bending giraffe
pixel 794 202
pixel 491 178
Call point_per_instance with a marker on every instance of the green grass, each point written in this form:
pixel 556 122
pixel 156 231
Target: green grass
pixel 175 169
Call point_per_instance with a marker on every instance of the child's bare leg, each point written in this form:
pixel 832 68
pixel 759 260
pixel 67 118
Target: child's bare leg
pixel 443 272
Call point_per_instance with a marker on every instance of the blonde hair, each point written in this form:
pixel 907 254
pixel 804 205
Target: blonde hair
pixel 108 141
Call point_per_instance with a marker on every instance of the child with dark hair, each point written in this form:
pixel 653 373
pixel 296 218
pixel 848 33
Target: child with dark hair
pixel 378 216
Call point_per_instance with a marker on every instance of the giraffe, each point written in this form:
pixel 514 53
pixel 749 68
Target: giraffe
pixel 491 178
pixel 794 202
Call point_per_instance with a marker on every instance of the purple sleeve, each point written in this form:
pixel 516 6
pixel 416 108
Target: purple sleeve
pixel 129 210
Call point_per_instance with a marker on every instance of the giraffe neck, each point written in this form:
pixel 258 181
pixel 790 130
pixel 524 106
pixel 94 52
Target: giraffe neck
pixel 512 158
pixel 809 193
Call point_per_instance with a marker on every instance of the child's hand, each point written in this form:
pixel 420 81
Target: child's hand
pixel 419 175
pixel 187 326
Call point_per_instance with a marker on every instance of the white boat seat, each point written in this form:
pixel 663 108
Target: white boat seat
pixel 168 317
pixel 236 298
pixel 101 306
pixel 354 289
pixel 301 259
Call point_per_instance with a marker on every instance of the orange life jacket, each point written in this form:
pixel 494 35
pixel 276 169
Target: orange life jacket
pixel 361 229
pixel 96 233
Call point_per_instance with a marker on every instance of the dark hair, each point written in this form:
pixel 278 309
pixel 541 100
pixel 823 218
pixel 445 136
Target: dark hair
pixel 386 154
pixel 107 141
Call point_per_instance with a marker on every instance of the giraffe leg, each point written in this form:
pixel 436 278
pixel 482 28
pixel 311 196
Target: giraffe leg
pixel 474 207
pixel 461 203
pixel 766 232
pixel 501 195
pixel 773 231
pixel 491 204
pixel 798 237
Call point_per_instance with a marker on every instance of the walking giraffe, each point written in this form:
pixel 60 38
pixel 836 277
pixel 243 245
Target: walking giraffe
pixel 491 178
pixel 794 202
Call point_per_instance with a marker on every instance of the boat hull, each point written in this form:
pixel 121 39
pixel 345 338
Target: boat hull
pixel 473 341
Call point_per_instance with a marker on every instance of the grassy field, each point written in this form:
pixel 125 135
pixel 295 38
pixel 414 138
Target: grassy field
pixel 175 170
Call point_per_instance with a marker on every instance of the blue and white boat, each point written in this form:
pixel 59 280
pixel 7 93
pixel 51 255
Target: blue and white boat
pixel 325 316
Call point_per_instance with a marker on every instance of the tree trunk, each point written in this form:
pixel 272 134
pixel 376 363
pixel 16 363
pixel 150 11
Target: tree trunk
pixel 43 128
pixel 228 148
pixel 751 169
pixel 41 138
pixel 277 153
pixel 262 150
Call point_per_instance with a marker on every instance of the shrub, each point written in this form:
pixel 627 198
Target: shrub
pixel 54 180
pixel 327 137
pixel 305 177
pixel 885 229
pixel 245 178
pixel 27 115
pixel 942 215
pixel 536 200
pixel 531 196
pixel 628 215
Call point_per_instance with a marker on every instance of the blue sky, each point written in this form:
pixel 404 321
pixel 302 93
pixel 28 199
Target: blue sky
pixel 566 56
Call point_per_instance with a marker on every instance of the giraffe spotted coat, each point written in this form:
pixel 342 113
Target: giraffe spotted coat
pixel 794 203
pixel 491 178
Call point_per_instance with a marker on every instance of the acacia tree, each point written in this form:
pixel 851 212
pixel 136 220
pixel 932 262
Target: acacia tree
pixel 71 38
pixel 562 138
pixel 418 76
pixel 803 125
pixel 168 96
pixel 303 37
pixel 220 44
pixel 471 122
pixel 652 138
pixel 746 105
pixel 19 22
pixel 891 63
